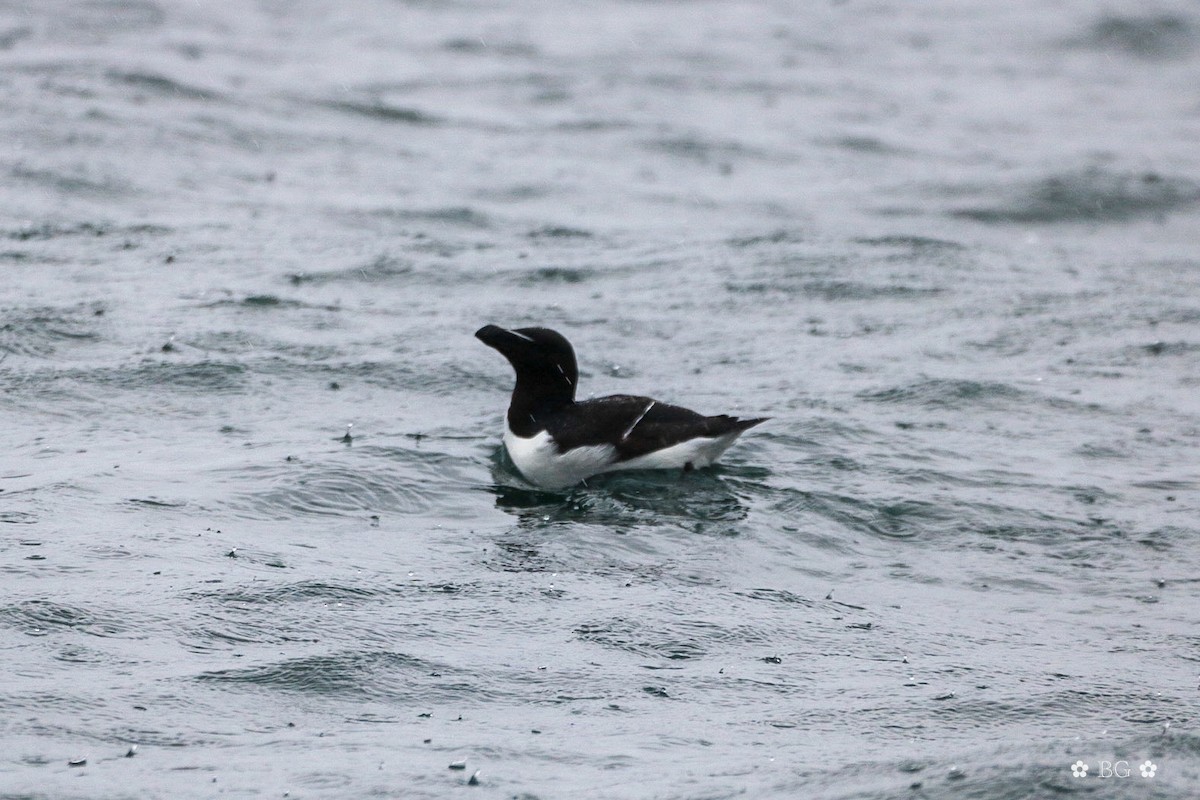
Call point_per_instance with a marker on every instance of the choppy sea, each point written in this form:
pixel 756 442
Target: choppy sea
pixel 951 248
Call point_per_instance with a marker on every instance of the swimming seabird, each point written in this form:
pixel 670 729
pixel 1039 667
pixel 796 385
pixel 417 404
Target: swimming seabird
pixel 556 442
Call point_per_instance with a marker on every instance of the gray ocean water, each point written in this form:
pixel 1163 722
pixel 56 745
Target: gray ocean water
pixel 952 248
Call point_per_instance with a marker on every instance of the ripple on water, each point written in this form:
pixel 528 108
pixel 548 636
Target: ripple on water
pixel 559 232
pixel 782 236
pixel 300 591
pixel 384 268
pixel 76 180
pixel 782 596
pixel 969 523
pixel 704 150
pixel 701 501
pixel 1066 702
pixel 338 488
pixel 249 347
pixel 100 18
pixel 1148 36
pixel 897 518
pixel 302 611
pixel 1094 194
pixel 680 640
pixel 44 231
pixel 214 632
pixel 555 275
pixel 43 332
pixel 834 291
pixel 45 618
pixel 948 393
pixel 325 489
pixel 197 377
pixel 913 243
pixel 380 111
pixel 356 673
pixel 451 216
pixel 265 301
pixel 159 85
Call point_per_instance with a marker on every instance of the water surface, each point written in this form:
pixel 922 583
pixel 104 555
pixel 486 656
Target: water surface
pixel 951 250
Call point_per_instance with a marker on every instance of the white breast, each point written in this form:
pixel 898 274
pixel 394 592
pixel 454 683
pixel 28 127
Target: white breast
pixel 539 461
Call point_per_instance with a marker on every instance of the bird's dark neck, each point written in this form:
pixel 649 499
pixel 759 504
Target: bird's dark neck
pixel 535 398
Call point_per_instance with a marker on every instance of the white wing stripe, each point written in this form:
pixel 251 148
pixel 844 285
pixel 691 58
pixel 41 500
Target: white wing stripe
pixel 629 430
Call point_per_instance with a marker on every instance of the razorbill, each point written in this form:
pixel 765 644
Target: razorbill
pixel 556 442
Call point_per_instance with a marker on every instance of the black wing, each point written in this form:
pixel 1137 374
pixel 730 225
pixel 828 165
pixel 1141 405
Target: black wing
pixel 637 425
